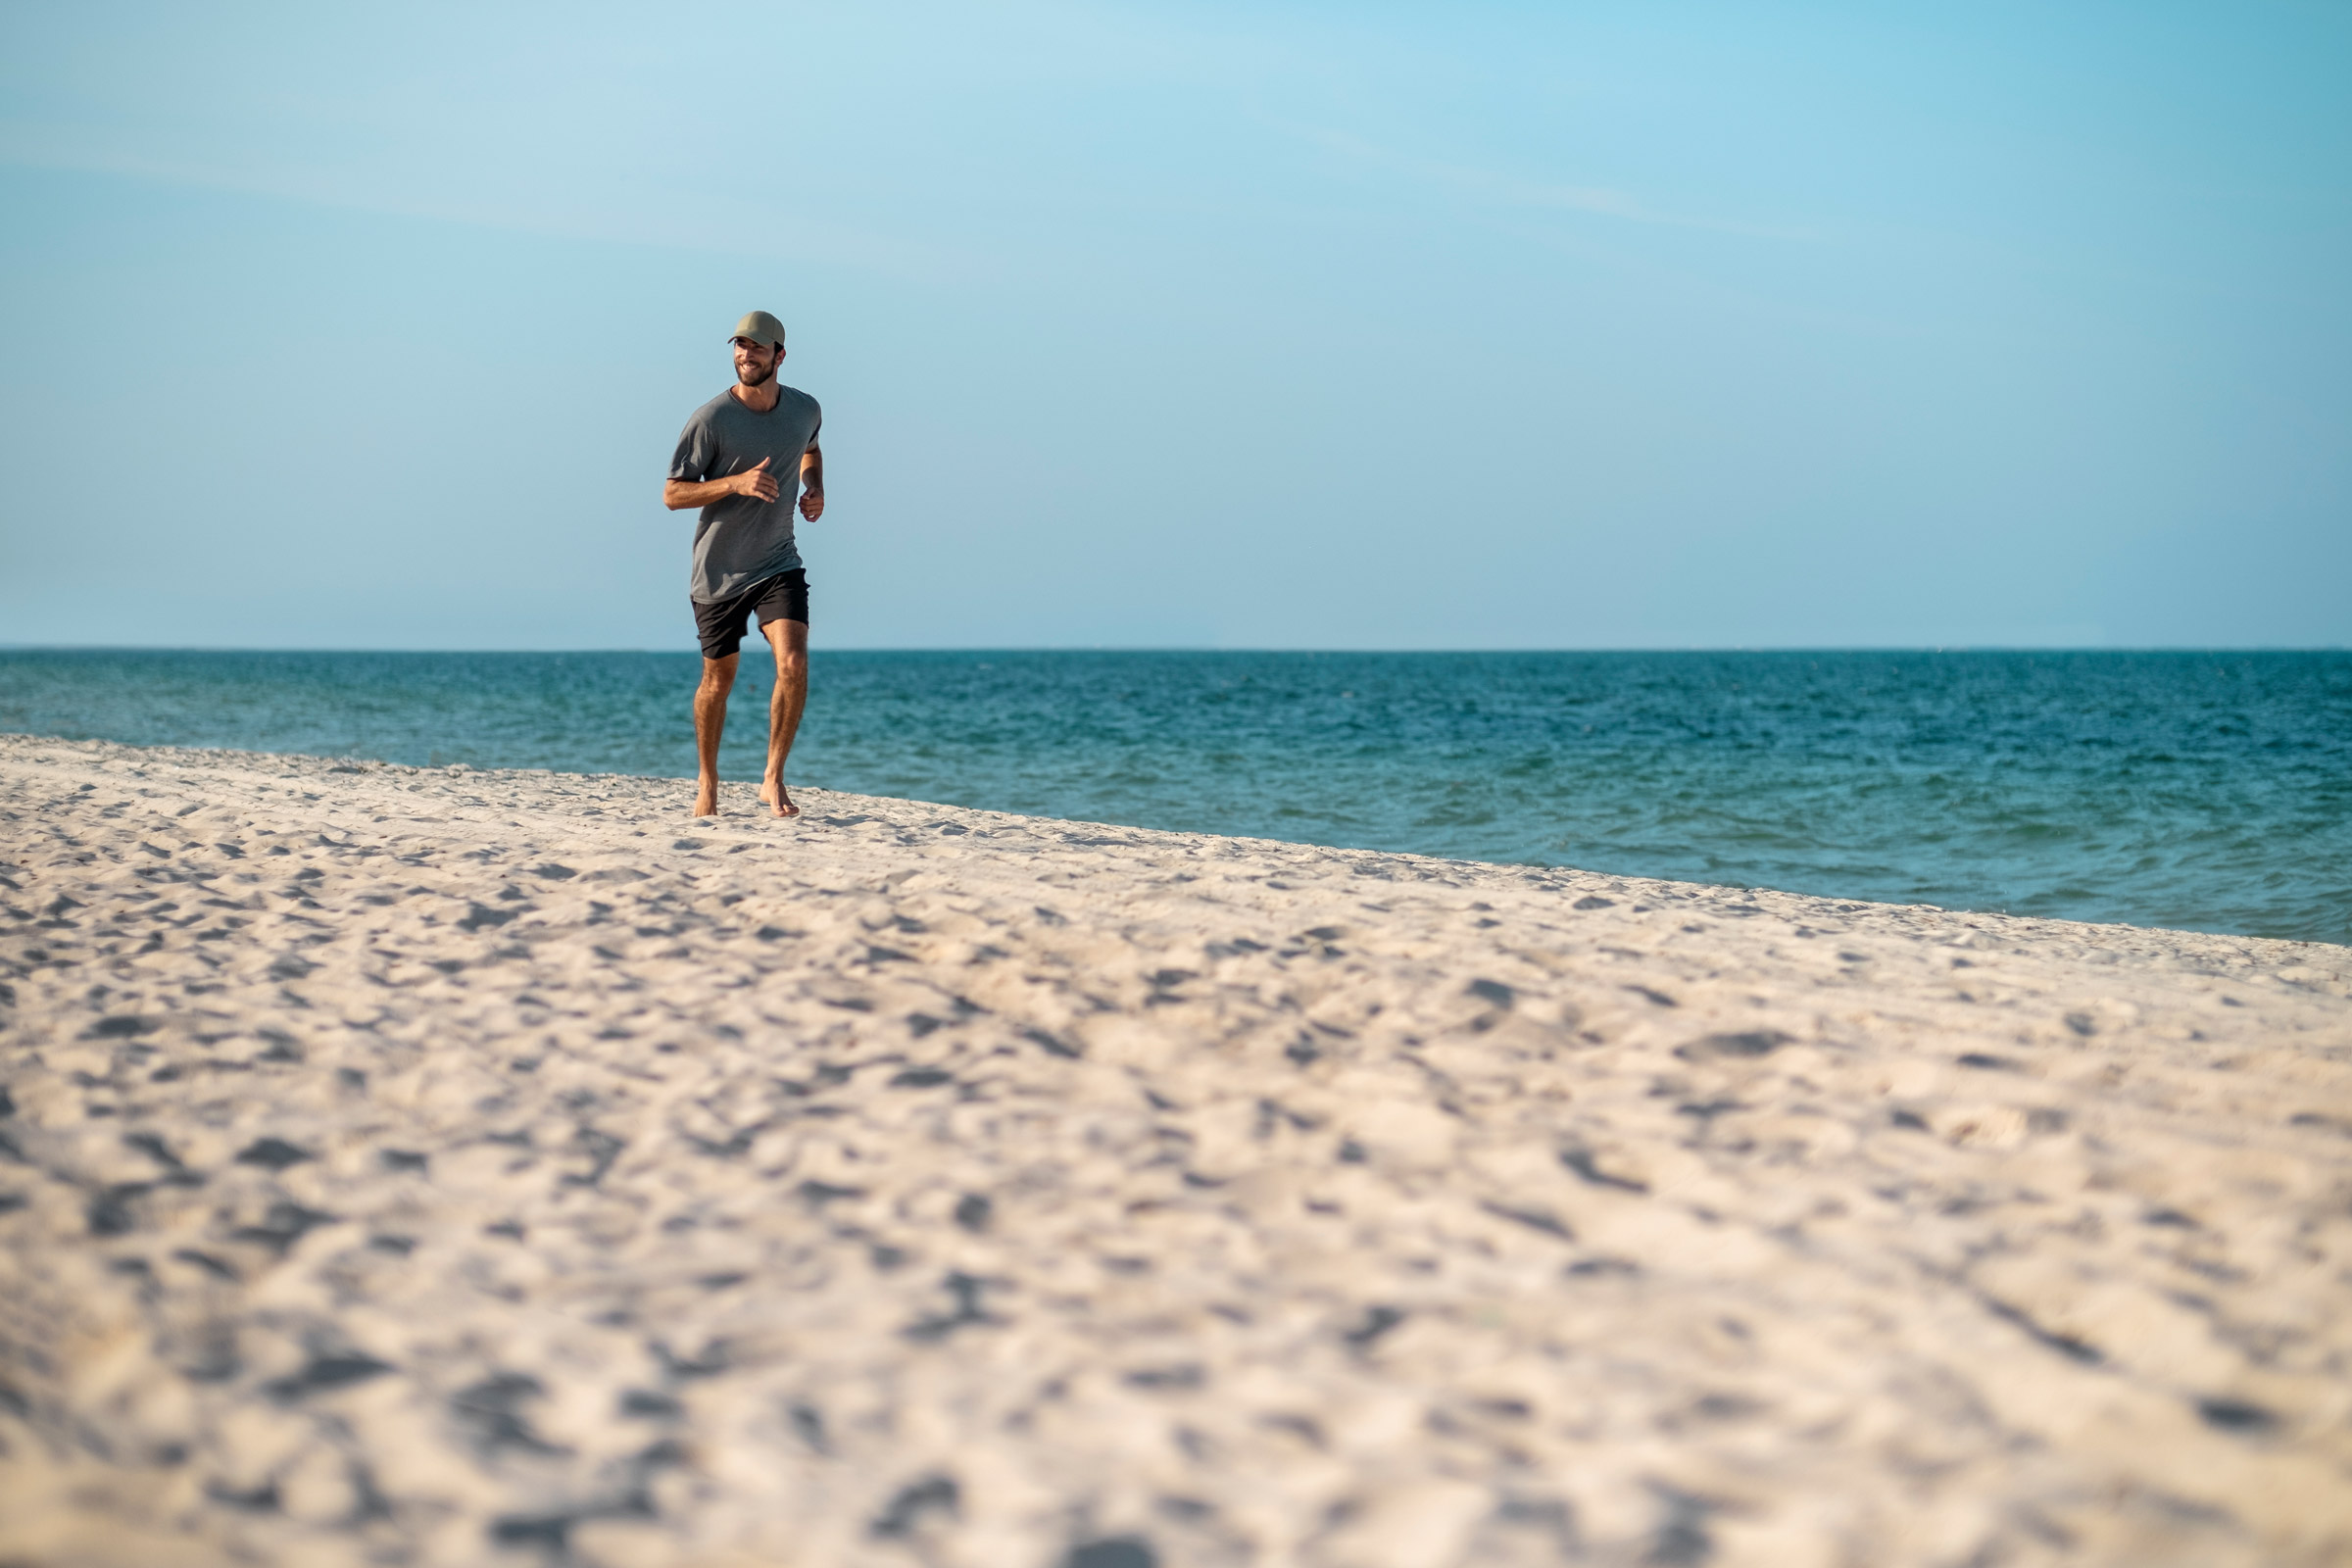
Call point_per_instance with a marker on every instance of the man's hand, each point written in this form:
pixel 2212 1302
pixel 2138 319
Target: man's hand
pixel 813 484
pixel 756 482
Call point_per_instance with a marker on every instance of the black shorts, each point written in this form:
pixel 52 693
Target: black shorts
pixel 783 597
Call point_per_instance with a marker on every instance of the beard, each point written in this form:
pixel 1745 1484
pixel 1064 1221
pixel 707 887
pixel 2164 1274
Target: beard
pixel 751 377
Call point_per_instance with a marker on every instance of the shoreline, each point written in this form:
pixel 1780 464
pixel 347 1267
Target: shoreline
pixel 470 1165
pixel 1865 776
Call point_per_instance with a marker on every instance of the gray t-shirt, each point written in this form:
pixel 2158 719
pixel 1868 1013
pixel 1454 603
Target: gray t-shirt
pixel 740 539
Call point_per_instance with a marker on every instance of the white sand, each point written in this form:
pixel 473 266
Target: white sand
pixel 429 1168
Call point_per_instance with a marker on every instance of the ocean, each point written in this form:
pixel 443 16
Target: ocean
pixel 2207 791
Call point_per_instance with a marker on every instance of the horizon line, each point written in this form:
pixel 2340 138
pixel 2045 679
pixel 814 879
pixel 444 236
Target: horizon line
pixel 1209 648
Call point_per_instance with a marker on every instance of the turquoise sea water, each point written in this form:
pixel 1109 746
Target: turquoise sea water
pixel 2207 791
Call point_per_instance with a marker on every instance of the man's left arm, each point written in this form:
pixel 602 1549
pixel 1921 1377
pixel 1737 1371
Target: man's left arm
pixel 812 482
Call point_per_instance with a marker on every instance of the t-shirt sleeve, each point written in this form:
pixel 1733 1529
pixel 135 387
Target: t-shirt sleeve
pixel 696 453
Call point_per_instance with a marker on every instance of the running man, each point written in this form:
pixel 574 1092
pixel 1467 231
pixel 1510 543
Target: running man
pixel 742 457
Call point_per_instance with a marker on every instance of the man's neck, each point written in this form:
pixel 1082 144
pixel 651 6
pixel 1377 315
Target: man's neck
pixel 759 399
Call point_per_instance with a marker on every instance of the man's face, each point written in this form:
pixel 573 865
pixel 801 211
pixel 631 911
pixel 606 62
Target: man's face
pixel 755 363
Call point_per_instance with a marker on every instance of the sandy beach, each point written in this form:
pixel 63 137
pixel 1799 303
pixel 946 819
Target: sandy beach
pixel 406 1166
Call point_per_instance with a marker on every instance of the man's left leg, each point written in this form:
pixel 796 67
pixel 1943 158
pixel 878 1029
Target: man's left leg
pixel 789 640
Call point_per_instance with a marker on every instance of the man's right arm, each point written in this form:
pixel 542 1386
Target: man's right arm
pixel 679 494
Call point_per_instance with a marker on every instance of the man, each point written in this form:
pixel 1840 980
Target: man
pixel 742 457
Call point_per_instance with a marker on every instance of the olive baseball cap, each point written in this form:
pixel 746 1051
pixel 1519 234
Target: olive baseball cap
pixel 759 327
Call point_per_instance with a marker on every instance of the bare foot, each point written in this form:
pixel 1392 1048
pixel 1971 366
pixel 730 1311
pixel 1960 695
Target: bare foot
pixel 706 798
pixel 778 800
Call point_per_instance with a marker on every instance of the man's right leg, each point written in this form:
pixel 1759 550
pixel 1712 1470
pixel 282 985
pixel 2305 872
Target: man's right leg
pixel 710 722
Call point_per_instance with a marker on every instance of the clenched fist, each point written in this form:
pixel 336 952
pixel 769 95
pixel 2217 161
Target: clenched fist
pixel 757 483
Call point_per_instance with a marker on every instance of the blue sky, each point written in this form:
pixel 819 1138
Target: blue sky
pixel 1277 326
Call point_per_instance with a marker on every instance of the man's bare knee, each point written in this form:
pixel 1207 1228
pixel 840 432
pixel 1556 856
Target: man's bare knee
pixel 718 674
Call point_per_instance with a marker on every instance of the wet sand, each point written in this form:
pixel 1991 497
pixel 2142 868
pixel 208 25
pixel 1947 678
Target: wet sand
pixel 413 1166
